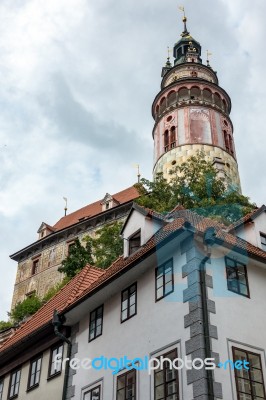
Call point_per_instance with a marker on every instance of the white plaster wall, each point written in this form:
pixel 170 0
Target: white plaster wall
pixel 47 389
pixel 138 221
pixel 156 325
pixel 241 319
pixel 251 231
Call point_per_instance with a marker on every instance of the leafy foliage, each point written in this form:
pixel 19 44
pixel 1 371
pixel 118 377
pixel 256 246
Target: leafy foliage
pixel 25 308
pixel 195 185
pixel 77 258
pixel 100 251
pixel 5 325
pixel 107 246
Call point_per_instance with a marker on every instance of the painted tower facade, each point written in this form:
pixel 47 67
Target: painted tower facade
pixel 191 114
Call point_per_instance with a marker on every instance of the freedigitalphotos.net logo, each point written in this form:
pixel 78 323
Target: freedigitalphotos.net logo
pixel 146 364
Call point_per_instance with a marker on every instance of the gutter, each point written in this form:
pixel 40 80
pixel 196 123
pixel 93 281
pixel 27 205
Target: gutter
pixel 209 239
pixel 57 323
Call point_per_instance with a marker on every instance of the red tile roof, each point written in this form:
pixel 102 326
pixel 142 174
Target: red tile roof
pixel 65 296
pixel 247 218
pixel 91 278
pixel 93 209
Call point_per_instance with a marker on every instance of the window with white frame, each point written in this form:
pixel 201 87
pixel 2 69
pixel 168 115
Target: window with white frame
pixel 56 358
pixel 237 279
pixel 249 381
pixel 129 302
pixel 126 386
pixel 14 384
pixel 35 372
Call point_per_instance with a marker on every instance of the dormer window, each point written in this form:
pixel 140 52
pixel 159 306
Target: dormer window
pixel 134 243
pixel 107 205
pixel 263 241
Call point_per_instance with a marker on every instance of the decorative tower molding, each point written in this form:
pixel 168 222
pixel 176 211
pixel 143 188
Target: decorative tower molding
pixel 191 114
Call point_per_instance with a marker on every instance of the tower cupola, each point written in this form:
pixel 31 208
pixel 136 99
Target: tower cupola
pixel 187 49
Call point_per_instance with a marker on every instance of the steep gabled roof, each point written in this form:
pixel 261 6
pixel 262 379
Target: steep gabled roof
pixel 95 208
pixel 91 279
pixel 247 218
pixel 60 301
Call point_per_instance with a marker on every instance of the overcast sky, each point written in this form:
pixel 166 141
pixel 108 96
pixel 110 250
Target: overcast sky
pixel 78 78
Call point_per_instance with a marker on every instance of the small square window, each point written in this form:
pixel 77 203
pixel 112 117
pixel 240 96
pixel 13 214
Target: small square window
pixel 237 280
pixel 35 372
pixel 263 241
pixel 164 280
pixel 129 302
pixel 134 243
pixel 126 386
pixel 14 384
pixel 249 382
pixel 56 358
pixel 96 323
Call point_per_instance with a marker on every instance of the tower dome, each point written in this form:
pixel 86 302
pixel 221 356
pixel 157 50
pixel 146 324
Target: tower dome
pixel 192 114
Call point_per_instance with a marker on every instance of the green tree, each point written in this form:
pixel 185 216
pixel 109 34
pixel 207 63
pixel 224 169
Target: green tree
pixel 100 251
pixel 77 258
pixel 107 245
pixel 195 185
pixel 5 325
pixel 25 308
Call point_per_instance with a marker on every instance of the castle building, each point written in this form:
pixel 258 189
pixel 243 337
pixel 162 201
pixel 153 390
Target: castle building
pixel 38 263
pixel 192 114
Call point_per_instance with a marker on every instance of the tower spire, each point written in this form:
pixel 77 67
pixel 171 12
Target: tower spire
pixel 185 31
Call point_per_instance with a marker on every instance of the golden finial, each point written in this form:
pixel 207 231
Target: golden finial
pixel 168 52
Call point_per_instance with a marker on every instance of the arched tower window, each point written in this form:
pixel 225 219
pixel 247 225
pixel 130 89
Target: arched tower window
pixel 166 140
pixel 183 94
pixel 171 98
pixel 217 100
pixel 172 138
pixel 195 93
pixel 157 111
pixel 162 105
pixel 226 142
pixel 207 95
pixel 224 106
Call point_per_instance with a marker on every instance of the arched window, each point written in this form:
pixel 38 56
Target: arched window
pixel 226 142
pixel 207 95
pixel 195 93
pixel 217 100
pixel 172 138
pixel 183 94
pixel 162 104
pixel 171 98
pixel 224 106
pixel 231 146
pixel 166 140
pixel 157 111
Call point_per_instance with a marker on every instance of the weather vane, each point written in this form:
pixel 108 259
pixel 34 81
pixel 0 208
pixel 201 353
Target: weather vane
pixel 208 55
pixel 138 175
pixel 182 8
pixel 65 205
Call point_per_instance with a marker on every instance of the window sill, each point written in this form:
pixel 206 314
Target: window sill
pixel 29 389
pixel 54 375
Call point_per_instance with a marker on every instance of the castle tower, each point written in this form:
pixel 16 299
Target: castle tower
pixel 191 114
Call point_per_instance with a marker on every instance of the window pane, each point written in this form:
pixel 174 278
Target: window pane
pixel 243 289
pixel 159 293
pixel 168 287
pixel 159 378
pixel 132 310
pixel 254 360
pixel 243 385
pixel 257 389
pixel 256 375
pixel 159 392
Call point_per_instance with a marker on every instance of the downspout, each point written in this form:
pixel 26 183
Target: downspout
pixel 57 323
pixel 209 240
